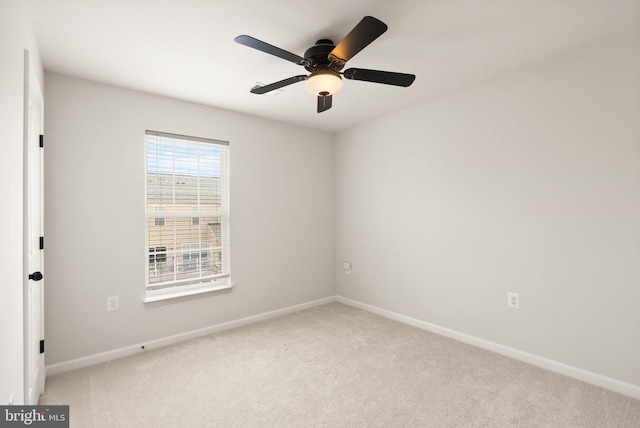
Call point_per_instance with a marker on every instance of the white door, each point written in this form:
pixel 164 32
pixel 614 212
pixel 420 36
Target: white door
pixel 34 296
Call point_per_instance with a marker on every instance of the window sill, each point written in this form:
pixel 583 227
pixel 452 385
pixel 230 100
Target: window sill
pixel 178 296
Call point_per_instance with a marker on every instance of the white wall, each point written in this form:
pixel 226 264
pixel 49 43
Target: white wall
pixel 16 35
pixel 282 216
pixel 530 184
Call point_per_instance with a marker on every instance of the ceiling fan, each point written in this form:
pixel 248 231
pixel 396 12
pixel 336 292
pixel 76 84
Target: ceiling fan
pixel 325 60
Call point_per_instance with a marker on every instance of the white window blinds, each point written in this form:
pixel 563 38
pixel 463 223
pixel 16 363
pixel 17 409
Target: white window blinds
pixel 187 193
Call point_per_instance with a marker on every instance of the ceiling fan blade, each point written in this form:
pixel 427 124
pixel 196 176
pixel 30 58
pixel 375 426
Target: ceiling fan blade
pixel 277 85
pixel 377 76
pixel 270 49
pixel 362 34
pixel 324 102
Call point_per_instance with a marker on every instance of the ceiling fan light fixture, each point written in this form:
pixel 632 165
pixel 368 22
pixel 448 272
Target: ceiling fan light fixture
pixel 324 82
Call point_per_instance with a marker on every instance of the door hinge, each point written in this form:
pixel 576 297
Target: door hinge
pixel 42 242
pixel 41 140
pixel 42 346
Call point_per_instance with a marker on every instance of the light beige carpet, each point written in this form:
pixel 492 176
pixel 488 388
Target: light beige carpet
pixel 330 366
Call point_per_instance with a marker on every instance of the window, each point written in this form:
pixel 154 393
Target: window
pixel 187 194
pixel 159 221
pixel 157 254
pixel 195 255
pixel 195 220
pixel 157 259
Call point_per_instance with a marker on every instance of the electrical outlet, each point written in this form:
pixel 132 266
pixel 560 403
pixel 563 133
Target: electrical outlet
pixel 113 303
pixel 513 300
pixel 370 273
pixel 347 268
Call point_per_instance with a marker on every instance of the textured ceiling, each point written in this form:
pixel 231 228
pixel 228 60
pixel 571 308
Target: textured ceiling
pixel 185 49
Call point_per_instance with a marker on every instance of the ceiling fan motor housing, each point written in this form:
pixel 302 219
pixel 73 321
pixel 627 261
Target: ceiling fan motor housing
pixel 318 56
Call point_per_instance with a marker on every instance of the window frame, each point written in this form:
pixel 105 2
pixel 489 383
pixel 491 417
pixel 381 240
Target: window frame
pixel 205 282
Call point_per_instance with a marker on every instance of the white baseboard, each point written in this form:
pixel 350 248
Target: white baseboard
pixel 545 363
pixel 102 357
